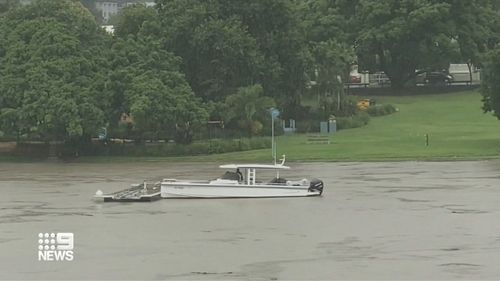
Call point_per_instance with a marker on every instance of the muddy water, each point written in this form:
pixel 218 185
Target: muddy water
pixel 410 220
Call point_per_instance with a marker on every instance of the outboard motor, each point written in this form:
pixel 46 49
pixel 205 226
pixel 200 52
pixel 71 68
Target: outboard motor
pixel 316 185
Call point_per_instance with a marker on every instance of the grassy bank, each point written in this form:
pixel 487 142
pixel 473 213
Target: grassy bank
pixel 456 126
pixel 455 123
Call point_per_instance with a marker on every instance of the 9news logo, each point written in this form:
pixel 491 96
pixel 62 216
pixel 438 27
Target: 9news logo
pixel 55 246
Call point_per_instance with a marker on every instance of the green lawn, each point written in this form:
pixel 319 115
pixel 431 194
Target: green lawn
pixel 457 128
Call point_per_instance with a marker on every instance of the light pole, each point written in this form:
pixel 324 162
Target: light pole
pixel 272 139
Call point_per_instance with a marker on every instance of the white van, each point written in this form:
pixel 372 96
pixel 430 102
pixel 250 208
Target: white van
pixel 460 73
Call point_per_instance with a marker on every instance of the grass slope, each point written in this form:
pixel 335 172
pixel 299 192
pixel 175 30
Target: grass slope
pixel 457 128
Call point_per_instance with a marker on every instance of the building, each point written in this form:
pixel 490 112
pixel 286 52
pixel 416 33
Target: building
pixel 25 2
pixel 109 8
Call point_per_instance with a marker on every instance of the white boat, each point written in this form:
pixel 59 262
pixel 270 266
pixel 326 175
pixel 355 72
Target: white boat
pixel 242 185
pixel 233 184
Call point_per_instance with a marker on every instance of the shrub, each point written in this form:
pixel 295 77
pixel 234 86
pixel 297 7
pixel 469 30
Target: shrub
pixel 173 149
pixel 34 149
pixel 356 121
pixel 380 110
pixel 363 117
pixel 307 126
pixel 260 143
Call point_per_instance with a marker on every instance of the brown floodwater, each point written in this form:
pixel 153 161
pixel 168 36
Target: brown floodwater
pixel 404 220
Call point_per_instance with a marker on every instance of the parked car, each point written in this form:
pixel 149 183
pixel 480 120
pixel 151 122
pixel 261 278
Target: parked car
pixel 433 77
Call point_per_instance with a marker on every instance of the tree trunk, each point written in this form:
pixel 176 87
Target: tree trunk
pixel 398 79
pixel 397 67
pixel 470 72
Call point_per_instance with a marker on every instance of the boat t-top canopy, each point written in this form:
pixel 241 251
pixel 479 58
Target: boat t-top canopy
pixel 254 166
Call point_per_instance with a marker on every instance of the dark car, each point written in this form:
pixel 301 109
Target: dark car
pixel 438 78
pixel 434 77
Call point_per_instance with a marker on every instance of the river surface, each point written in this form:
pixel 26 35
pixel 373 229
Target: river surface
pixel 404 220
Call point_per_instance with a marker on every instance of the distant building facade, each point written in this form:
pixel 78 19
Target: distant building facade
pixel 109 8
pixel 25 2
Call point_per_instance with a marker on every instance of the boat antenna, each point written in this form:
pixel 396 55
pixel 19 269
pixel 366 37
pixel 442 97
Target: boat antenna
pixel 274 113
pixel 282 160
pixel 282 163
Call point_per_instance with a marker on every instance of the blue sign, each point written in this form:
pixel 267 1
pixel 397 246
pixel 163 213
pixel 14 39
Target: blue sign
pixel 274 112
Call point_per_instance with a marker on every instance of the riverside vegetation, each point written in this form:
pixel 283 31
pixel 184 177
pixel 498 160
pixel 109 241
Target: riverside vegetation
pixel 168 70
pixel 457 130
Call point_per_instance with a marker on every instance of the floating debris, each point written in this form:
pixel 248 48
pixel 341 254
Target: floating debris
pixel 136 193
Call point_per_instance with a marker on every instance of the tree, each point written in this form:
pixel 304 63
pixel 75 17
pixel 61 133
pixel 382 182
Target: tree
pixel 245 107
pixel 64 78
pixel 91 6
pixel 217 52
pixel 145 82
pixel 332 53
pixel 475 28
pixel 282 40
pixel 332 61
pixel 490 83
pixel 6 5
pixel 49 71
pixel 395 36
pixel 226 44
pixel 399 37
pixel 328 20
pixel 136 19
pixel 479 38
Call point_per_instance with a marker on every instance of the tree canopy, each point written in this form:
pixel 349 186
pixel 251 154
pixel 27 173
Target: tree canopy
pixel 63 77
pixel 248 108
pixel 167 69
pixel 48 70
pixel 399 37
pixel 490 88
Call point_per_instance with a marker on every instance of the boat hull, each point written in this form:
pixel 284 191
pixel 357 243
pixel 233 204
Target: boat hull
pixel 188 190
